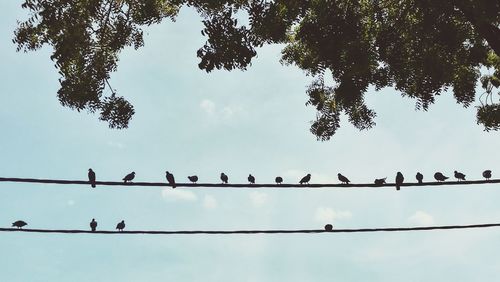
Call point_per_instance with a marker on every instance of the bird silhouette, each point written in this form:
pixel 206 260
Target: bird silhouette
pixel 193 178
pixel 121 225
pixel 129 177
pixel 251 179
pixel 380 181
pixel 19 224
pixel 419 177
pixel 439 176
pixel 91 175
pixel 487 174
pixel 399 180
pixel 343 179
pixel 305 179
pixel 170 179
pixel 328 227
pixel 93 224
pixel 278 180
pixel 459 176
pixel 224 178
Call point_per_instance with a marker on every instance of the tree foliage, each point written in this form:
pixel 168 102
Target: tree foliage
pixel 419 47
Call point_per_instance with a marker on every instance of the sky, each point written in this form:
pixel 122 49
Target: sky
pixel 240 122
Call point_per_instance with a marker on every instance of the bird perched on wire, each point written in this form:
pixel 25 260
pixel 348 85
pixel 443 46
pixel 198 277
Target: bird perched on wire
pixel 278 180
pixel 251 179
pixel 343 179
pixel 91 176
pixel 224 178
pixel 487 174
pixel 380 181
pixel 129 177
pixel 419 177
pixel 305 179
pixel 439 176
pixel 93 224
pixel 328 227
pixel 19 224
pixel 121 225
pixel 399 180
pixel 170 179
pixel 459 176
pixel 193 178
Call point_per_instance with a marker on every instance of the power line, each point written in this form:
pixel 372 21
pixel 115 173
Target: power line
pixel 220 185
pixel 187 232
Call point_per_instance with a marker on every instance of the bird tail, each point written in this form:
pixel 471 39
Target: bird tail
pixel 93 185
pixel 398 187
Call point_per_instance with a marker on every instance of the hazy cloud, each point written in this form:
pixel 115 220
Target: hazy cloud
pixel 421 218
pixel 178 195
pixel 209 202
pixel 328 215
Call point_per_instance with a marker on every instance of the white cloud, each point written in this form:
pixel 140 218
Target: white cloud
pixel 258 199
pixel 116 145
pixel 230 111
pixel 208 106
pixel 178 195
pixel 71 202
pixel 421 218
pixel 328 215
pixel 209 202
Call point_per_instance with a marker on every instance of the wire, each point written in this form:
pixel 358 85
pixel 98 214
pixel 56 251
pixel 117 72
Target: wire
pixel 220 185
pixel 185 232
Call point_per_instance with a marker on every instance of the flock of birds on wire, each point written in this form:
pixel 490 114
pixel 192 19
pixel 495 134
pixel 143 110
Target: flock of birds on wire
pixel 251 179
pixel 304 180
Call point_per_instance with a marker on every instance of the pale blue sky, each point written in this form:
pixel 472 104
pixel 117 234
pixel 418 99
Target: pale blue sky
pixel 190 122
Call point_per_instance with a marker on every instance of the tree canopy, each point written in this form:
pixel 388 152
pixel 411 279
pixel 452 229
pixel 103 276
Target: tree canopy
pixel 420 47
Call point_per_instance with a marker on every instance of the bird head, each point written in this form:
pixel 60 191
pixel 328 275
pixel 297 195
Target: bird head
pixel 133 172
pixel 90 169
pixel 308 174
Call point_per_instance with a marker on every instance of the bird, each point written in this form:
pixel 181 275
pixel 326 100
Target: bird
pixel 170 179
pixel 278 180
pixel 251 179
pixel 19 224
pixel 380 181
pixel 223 177
pixel 92 177
pixel 487 174
pixel 93 224
pixel 343 179
pixel 121 225
pixel 399 180
pixel 305 179
pixel 328 227
pixel 419 177
pixel 193 178
pixel 439 176
pixel 459 176
pixel 129 177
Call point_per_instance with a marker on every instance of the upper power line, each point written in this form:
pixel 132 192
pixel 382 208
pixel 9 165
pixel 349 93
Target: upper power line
pixel 249 185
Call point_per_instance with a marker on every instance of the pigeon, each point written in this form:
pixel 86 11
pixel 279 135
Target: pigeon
pixel 419 177
pixel 19 224
pixel 170 179
pixel 92 178
pixel 328 227
pixel 223 177
pixel 343 179
pixel 93 224
pixel 380 181
pixel 251 179
pixel 399 180
pixel 459 176
pixel 439 176
pixel 121 225
pixel 278 180
pixel 193 178
pixel 129 177
pixel 487 174
pixel 305 179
